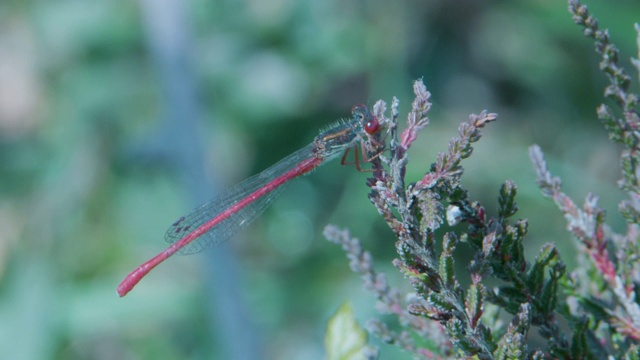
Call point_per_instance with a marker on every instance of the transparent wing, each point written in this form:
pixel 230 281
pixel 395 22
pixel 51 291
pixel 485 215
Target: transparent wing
pixel 272 178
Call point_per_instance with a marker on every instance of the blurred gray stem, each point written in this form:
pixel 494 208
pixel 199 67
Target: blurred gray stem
pixel 167 30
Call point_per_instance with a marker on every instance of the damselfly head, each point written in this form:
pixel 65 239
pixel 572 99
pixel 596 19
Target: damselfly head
pixel 365 117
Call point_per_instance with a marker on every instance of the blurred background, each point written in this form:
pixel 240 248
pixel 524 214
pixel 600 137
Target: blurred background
pixel 117 117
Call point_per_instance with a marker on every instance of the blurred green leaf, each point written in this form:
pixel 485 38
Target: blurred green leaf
pixel 344 339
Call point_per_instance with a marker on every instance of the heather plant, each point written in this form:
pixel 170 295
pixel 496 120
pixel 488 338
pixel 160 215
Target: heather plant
pixel 589 312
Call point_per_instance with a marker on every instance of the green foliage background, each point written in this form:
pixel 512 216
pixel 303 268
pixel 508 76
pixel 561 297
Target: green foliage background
pixel 84 198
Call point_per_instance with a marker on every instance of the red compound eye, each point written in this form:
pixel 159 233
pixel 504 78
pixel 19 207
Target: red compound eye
pixel 372 126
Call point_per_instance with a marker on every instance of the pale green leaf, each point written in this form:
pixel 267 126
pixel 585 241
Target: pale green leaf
pixel 344 339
